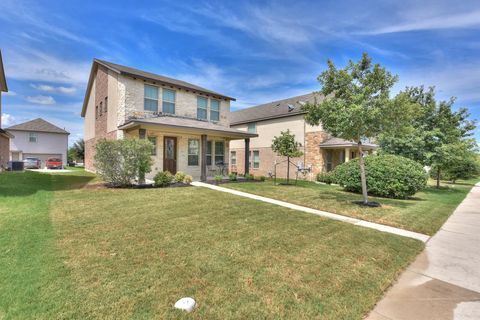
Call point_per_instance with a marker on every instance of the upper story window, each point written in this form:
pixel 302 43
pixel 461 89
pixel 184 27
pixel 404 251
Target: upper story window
pixel 214 110
pixel 106 104
pixel 100 108
pixel 202 108
pixel 252 127
pixel 150 101
pixel 32 137
pixel 168 101
pixel 96 112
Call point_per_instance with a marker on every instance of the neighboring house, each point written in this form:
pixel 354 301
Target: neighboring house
pixel 4 135
pixel 38 139
pixel 321 152
pixel 188 125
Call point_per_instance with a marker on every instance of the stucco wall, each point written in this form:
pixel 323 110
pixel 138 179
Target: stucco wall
pixel 47 143
pixel 89 122
pixel 4 151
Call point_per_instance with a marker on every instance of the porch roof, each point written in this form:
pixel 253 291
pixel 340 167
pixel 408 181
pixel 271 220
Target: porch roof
pixel 341 143
pixel 189 125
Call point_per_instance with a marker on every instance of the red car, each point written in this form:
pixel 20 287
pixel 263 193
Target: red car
pixel 54 163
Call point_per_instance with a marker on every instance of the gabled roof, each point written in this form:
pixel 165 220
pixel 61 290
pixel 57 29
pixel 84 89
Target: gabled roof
pixel 120 69
pixel 3 80
pixel 38 125
pixel 276 109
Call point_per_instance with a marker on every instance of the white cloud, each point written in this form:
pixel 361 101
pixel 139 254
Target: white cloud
pixel 48 100
pixel 7 120
pixel 53 89
pixel 30 64
pixel 9 93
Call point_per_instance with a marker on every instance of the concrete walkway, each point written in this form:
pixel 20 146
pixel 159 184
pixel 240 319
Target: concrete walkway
pixel 444 281
pixel 357 222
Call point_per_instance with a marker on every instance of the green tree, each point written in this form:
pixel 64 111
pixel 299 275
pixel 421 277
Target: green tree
pixel 77 151
pixel 120 162
pixel 358 105
pixel 436 136
pixel 286 146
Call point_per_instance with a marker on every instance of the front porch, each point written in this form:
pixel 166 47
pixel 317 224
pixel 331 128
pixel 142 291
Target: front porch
pixel 337 151
pixel 197 148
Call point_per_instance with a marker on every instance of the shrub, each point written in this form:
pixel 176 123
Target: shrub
pixel 218 178
pixel 249 176
pixel 188 179
pixel 163 179
pixel 232 176
pixel 263 178
pixel 387 176
pixel 120 162
pixel 180 176
pixel 324 177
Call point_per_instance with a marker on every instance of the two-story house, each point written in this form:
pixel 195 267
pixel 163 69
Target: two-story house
pixel 188 125
pixel 40 139
pixel 321 152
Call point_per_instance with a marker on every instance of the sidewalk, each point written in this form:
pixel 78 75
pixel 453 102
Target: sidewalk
pixel 444 281
pixel 357 222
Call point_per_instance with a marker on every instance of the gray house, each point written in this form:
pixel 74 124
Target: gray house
pixel 39 139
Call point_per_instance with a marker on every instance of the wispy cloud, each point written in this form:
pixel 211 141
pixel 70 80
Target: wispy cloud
pixel 7 120
pixel 446 21
pixel 10 93
pixel 30 64
pixel 47 100
pixel 53 89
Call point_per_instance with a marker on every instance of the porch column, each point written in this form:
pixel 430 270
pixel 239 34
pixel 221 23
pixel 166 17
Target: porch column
pixel 347 154
pixel 203 158
pixel 247 156
pixel 142 134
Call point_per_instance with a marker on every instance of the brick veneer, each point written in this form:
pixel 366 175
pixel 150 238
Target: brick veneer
pixel 101 92
pixel 4 151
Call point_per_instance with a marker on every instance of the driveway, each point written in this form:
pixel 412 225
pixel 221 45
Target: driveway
pixel 444 280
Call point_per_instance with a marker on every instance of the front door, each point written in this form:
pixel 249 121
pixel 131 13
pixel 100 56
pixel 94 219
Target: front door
pixel 170 154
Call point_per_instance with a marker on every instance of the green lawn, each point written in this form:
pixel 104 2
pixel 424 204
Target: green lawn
pixel 425 213
pixel 67 251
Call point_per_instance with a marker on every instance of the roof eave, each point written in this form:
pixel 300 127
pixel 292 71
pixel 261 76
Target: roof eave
pixel 133 123
pixel 268 118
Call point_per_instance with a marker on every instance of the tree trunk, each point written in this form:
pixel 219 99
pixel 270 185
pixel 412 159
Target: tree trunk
pixel 438 177
pixel 363 177
pixel 288 170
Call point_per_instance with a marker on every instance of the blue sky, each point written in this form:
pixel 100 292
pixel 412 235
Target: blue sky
pixel 256 51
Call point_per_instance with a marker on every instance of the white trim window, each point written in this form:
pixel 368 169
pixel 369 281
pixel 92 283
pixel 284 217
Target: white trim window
pixel 256 159
pixel 193 151
pixel 252 127
pixel 168 101
pixel 214 110
pixel 153 140
pixel 219 152
pixel 202 103
pixel 32 137
pixel 150 101
pixel 209 153
pixel 233 158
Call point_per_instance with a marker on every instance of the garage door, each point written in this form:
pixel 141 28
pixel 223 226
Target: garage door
pixel 42 156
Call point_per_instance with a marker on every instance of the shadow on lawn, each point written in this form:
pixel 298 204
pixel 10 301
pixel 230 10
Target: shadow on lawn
pixel 21 184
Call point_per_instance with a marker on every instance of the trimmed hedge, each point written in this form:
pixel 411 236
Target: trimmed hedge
pixel 387 176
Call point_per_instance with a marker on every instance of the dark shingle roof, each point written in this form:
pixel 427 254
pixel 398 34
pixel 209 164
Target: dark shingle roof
pixel 159 78
pixel 38 125
pixel 189 124
pixel 272 110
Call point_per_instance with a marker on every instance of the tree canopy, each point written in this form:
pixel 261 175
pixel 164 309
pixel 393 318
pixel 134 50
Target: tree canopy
pixel 286 146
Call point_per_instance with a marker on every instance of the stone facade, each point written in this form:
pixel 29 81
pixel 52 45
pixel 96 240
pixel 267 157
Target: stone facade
pixel 313 154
